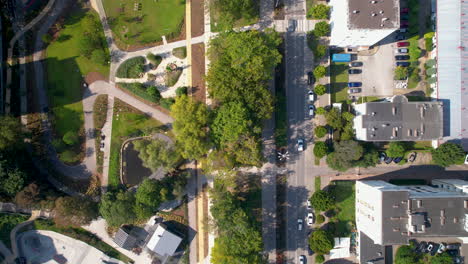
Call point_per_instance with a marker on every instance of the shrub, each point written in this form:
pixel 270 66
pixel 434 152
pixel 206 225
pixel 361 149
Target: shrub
pixel 320 149
pixel 320 89
pixel 320 11
pixel 320 71
pixel 139 90
pixel 321 241
pixel 320 111
pixel 71 138
pixel 167 102
pixel 401 73
pixel 46 38
pixel 322 200
pixel 319 259
pixel 320 219
pixel 180 53
pixel 154 59
pixel 320 51
pixel 181 91
pixel 396 149
pixel 320 131
pixel 322 29
pixel 69 156
pixel 154 93
pixel 448 154
pixel 131 68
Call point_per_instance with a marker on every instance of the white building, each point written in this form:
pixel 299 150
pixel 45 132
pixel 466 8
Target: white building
pixel 361 23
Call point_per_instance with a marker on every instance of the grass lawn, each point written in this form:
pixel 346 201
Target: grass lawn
pixel 216 15
pixel 366 99
pixel 127 122
pixel 7 223
pixel 82 235
pixel 148 23
pixel 65 70
pixel 339 82
pixel 344 193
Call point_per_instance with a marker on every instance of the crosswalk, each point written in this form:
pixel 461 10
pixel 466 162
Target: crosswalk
pixel 299 25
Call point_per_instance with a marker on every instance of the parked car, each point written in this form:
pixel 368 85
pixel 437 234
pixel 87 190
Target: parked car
pixel 442 248
pixel 311 110
pixel 310 218
pixel 388 160
pixel 382 156
pixel 301 259
pixel 453 246
pixel 354 71
pixel 403 30
pixel 453 252
pixel 404 10
pixel 397 159
pixel 400 37
pixel 309 205
pixel 403 44
pixel 402 57
pixel 402 50
pixel 311 96
pixel 299 224
pixel 404 26
pixel 355 64
pixel 457 260
pixel 466 159
pixel 292 25
pixel 300 145
pixel 421 247
pixel 310 78
pixel 412 157
pixel 404 16
pixel 354 90
pixel 404 23
pixel 354 84
pixel 402 63
pixel 429 248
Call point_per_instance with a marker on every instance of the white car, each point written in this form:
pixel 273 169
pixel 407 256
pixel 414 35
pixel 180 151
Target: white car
pixel 300 145
pixel 466 160
pixel 309 205
pixel 299 224
pixel 301 259
pixel 311 96
pixel 310 218
pixel 311 110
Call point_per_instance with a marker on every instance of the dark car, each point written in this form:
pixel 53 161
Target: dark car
pixel 404 23
pixel 421 247
pixel 388 160
pixel 402 63
pixel 404 16
pixel 400 37
pixel 432 250
pixel 354 71
pixel 404 10
pixel 453 246
pixel 402 57
pixel 354 84
pixel 310 78
pixel 403 44
pixel 382 157
pixel 354 90
pixel 397 159
pixel 355 64
pixel 453 252
pixel 412 157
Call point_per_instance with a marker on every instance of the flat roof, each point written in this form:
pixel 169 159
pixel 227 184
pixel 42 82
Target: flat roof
pixel 373 14
pixel 164 242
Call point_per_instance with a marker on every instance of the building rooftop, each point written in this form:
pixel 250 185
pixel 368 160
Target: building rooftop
pixel 163 242
pixel 373 14
pixel 369 251
pixel 399 120
pixel 124 238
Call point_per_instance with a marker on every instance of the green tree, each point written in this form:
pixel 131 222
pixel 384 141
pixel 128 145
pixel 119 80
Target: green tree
pixel 370 158
pixel 87 43
pixel 401 73
pixel 320 51
pixel 320 131
pixel 334 118
pixel 320 149
pixel 320 71
pixel 396 149
pixel 231 122
pixel 322 29
pixel 149 197
pixel 190 127
pixel 320 11
pixel 448 154
pixel 71 138
pixel 246 151
pixel 321 241
pixel 406 255
pixel 320 219
pixel 348 131
pixel 156 154
pixel 181 90
pixel 319 258
pixel 75 211
pixel 347 116
pixel 10 133
pixel 321 111
pixel 118 208
pixel 12 180
pixel 345 154
pixel 154 93
pixel 46 38
pixel 320 89
pixel 443 258
pixel 322 200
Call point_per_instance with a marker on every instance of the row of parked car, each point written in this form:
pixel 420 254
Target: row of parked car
pixel 432 248
pixel 401 60
pixel 354 87
pixel 387 160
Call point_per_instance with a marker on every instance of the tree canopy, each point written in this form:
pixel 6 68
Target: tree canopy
pixel 231 122
pixel 320 89
pixel 10 132
pixel 118 208
pixel 320 11
pixel 157 153
pixel 232 10
pixel 406 255
pixel 12 178
pixel 396 149
pixel 334 118
pixel 321 241
pixel 320 149
pixel 320 71
pixel 321 29
pixel 148 197
pixel 448 154
pixel 322 200
pixel 345 154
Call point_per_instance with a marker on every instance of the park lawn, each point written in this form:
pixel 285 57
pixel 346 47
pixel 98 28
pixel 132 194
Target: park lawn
pixel 159 18
pixel 367 99
pixel 344 193
pixel 7 223
pixel 339 82
pixel 65 71
pixel 127 122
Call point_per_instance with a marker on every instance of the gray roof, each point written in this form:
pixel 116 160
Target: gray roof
pixel 403 121
pixel 387 14
pixel 164 242
pixel 124 238
pixel 369 251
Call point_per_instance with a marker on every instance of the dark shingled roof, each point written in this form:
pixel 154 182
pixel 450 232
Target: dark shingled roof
pixel 387 14
pixel 369 251
pixel 124 238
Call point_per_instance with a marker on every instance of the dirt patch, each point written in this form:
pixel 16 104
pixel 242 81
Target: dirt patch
pixel 198 18
pixel 198 72
pixel 94 76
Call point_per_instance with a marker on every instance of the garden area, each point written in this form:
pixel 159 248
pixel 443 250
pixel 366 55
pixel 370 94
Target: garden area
pixel 145 21
pixel 339 82
pixel 7 223
pixel 79 49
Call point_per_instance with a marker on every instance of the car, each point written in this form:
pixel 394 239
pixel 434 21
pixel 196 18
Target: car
pixel 404 10
pixel 310 78
pixel 442 248
pixel 401 57
pixel 309 205
pixel 403 44
pixel 466 159
pixel 404 26
pixel 388 160
pixel 404 16
pixel 402 50
pixel 429 247
pixel 354 90
pixel 421 247
pixel 299 224
pixel 397 159
pixel 412 157
pixel 301 259
pixel 457 260
pixel 45 109
pixel 355 64
pixel 382 157
pixel 404 23
pixel 311 110
pixel 354 71
pixel 310 218
pixel 292 25
pixel 103 136
pixel 403 30
pixel 453 246
pixel 453 252
pixel 21 260
pixel 354 84
pixel 402 64
pixel 311 95
pixel 300 145
pixel 400 37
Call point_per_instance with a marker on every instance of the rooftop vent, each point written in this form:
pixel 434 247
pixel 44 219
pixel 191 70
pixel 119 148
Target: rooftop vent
pixel 373 2
pixel 355 11
pixel 384 19
pixel 374 113
pixel 373 14
pixel 381 12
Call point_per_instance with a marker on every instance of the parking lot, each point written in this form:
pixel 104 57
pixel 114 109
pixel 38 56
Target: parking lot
pixel 432 246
